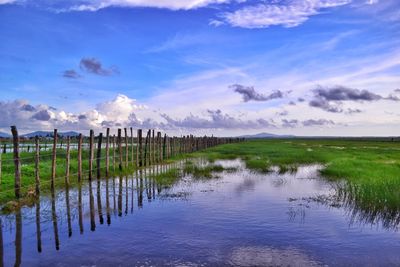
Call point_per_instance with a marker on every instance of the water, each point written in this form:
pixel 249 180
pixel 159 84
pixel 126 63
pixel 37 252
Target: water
pixel 239 218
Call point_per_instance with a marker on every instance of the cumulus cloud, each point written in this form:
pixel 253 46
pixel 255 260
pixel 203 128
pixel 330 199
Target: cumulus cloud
pixel 42 115
pixel 284 13
pixel 216 119
pixel 71 74
pixel 249 93
pixel 331 99
pixel 94 66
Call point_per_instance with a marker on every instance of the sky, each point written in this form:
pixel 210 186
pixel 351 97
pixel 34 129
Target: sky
pixel 222 67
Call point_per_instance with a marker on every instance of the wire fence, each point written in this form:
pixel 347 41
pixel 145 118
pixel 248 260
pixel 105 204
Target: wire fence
pixel 26 165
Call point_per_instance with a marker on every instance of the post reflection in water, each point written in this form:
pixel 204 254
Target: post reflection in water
pixel 54 218
pixel 140 193
pixel 68 210
pixel 99 205
pixel 108 201
pixel 18 238
pixel 91 206
pixel 80 208
pixel 126 195
pixel 114 196
pixel 120 196
pixel 38 228
pixel 1 244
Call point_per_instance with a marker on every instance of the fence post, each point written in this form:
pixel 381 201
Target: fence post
pixel 119 141
pixel 53 160
pixel 114 152
pixel 67 161
pixel 140 147
pixel 107 151
pixel 80 157
pixel 37 159
pixel 91 155
pixel 126 148
pixel 98 156
pixel 132 151
pixel 146 145
pixel 17 164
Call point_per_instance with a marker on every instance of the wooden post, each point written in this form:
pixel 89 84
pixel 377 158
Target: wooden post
pixel 80 157
pixel 91 151
pixel 159 147
pixel 126 148
pixel 98 156
pixel 37 159
pixel 139 136
pixel 114 152
pixel 164 147
pixel 17 163
pixel 153 149
pixel 137 149
pixel 146 145
pixel 67 161
pixel 53 160
pixel 107 151
pixel 132 147
pixel 119 141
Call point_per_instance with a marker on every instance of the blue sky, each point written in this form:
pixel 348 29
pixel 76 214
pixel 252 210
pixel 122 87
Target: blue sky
pixel 326 67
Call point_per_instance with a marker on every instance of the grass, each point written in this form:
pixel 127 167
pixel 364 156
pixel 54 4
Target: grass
pixel 369 171
pixel 202 172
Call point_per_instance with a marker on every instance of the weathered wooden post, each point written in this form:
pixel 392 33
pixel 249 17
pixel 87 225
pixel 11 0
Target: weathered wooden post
pixel 164 147
pixel 119 141
pixel 137 149
pixel 37 174
pixel 80 157
pixel 146 147
pixel 113 152
pixel 53 160
pixel 17 163
pixel 153 148
pixel 91 153
pixel 107 151
pixel 98 156
pixel 67 161
pixel 139 133
pixel 132 147
pixel 159 147
pixel 126 148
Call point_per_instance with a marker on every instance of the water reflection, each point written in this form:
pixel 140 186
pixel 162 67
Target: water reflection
pixel 268 208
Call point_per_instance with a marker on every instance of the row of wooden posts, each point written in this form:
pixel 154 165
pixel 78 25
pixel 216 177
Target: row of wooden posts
pixel 153 149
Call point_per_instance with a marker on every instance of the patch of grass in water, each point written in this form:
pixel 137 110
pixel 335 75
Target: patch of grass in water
pixel 199 172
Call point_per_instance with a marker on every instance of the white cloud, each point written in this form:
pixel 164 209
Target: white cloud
pixel 2 2
pixel 94 5
pixel 287 14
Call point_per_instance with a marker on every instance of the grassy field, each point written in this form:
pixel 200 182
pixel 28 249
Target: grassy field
pixel 368 171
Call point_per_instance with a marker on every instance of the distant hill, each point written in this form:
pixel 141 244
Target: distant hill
pixel 266 135
pixel 4 135
pixel 49 134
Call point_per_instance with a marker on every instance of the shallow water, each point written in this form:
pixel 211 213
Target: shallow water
pixel 239 218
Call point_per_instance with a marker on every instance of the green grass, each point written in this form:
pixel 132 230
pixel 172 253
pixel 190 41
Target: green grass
pixel 202 172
